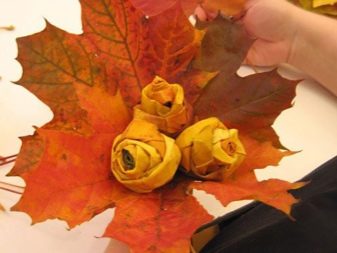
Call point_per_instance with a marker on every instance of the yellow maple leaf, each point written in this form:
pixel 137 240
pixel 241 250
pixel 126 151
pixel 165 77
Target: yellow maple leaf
pixel 318 3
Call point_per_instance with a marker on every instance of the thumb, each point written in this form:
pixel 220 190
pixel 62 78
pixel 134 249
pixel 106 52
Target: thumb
pixel 204 15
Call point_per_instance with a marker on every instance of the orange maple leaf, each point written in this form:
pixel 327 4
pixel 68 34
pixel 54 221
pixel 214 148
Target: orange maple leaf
pixel 161 221
pixel 92 81
pixel 244 184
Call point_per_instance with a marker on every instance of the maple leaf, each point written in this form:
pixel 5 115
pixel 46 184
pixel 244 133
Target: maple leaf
pixel 162 217
pixel 317 3
pixel 92 81
pixel 251 105
pixel 328 7
pixel 244 184
pixel 230 7
pixel 61 182
pixel 223 47
pixel 153 7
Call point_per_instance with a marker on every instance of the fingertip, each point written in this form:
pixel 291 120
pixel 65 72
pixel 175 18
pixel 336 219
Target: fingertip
pixel 204 14
pixel 250 3
pixel 200 13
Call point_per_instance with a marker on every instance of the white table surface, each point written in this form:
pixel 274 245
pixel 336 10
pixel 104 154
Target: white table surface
pixel 310 126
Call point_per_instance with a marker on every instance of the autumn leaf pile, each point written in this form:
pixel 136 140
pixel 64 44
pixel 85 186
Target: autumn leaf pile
pixel 92 81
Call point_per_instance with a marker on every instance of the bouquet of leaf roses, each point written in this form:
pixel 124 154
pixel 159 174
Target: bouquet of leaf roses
pixel 147 108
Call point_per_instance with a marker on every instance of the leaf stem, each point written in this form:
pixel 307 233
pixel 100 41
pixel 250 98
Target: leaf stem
pixel 11 188
pixel 7 28
pixel 7 160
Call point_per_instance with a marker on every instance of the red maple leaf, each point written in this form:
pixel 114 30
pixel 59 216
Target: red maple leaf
pixel 153 7
pixel 92 81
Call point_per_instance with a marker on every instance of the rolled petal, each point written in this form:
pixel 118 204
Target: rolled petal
pixel 209 150
pixel 142 158
pixel 160 174
pixel 164 105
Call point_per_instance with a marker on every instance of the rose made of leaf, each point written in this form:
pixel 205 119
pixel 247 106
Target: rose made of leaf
pixel 164 105
pixel 210 150
pixel 142 158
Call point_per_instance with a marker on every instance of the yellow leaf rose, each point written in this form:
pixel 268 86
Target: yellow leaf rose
pixel 164 105
pixel 142 158
pixel 210 150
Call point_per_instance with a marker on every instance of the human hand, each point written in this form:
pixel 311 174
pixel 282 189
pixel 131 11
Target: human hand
pixel 271 24
pixel 285 33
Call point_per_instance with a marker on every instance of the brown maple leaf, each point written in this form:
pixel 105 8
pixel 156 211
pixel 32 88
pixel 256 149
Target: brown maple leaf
pixel 251 105
pixel 92 81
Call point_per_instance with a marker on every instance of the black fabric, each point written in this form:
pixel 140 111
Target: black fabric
pixel 262 229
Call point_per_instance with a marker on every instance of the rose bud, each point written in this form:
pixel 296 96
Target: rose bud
pixel 209 150
pixel 164 105
pixel 142 158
